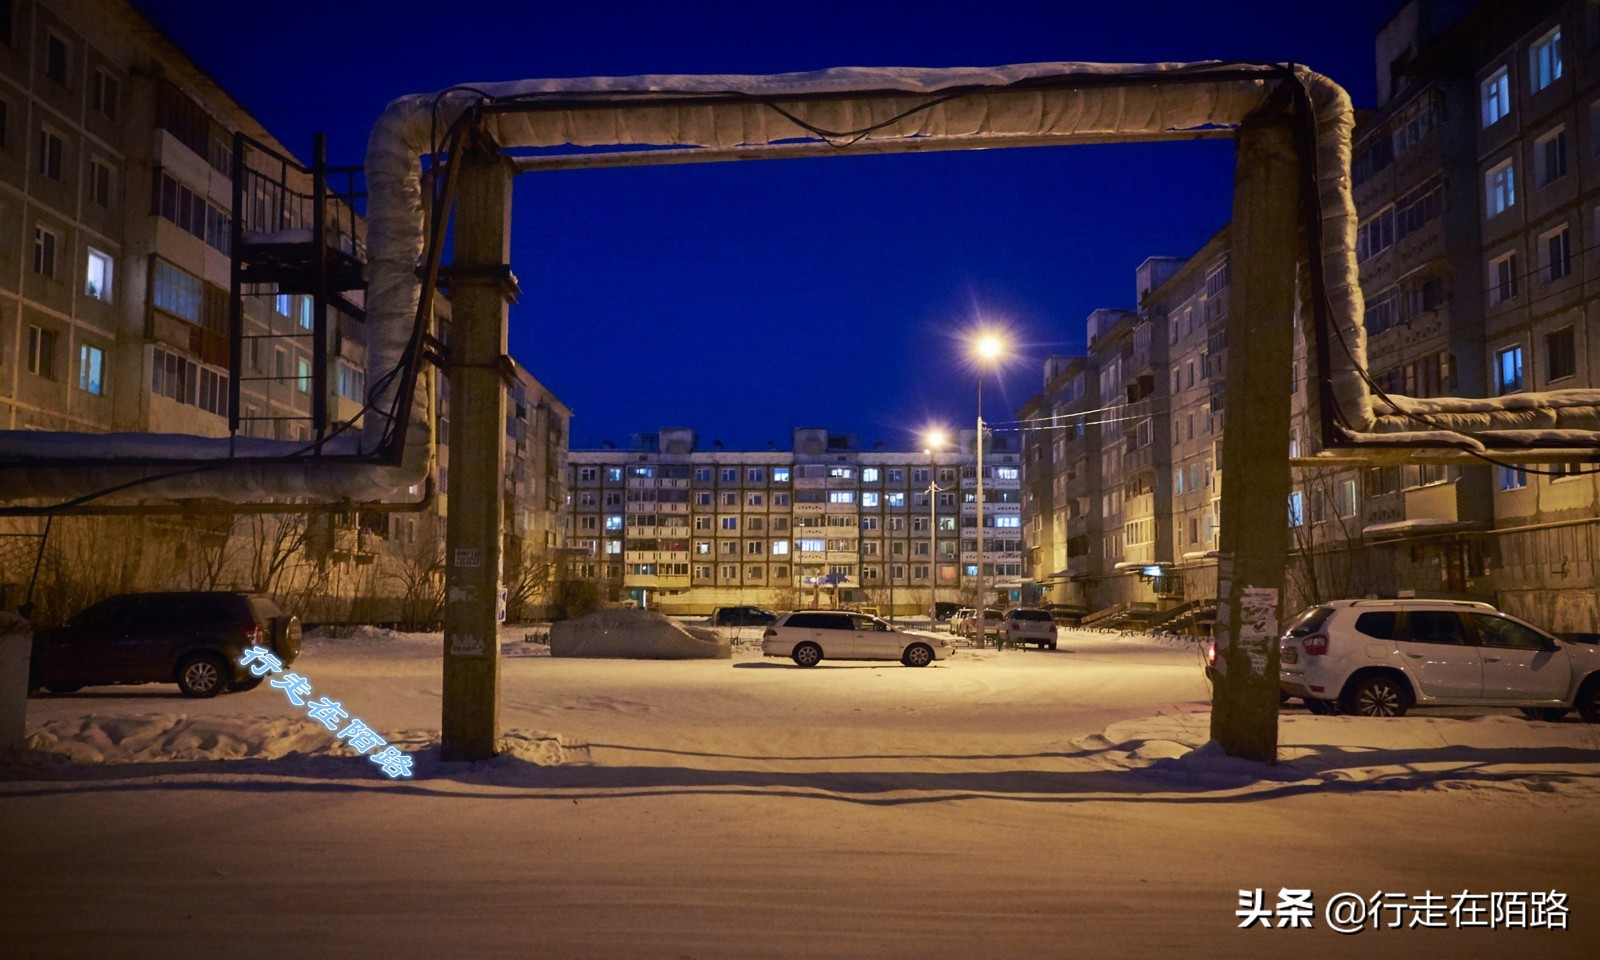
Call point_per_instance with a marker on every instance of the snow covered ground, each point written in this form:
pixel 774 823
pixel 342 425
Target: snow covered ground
pixel 998 804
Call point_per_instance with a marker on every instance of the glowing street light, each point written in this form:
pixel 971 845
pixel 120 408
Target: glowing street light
pixel 987 348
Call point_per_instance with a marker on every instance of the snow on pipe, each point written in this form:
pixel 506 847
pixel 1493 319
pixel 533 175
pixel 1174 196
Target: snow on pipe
pixel 1064 100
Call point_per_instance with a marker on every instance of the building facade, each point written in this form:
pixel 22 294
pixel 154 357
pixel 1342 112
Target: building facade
pixel 117 157
pixel 827 523
pixel 1477 184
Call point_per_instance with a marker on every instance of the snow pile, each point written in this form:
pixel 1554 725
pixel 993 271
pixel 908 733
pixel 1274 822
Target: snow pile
pixel 165 737
pixel 1498 753
pixel 635 634
pixel 363 635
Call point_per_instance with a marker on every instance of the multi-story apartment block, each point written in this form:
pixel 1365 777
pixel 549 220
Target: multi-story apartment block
pixel 1476 253
pixel 117 164
pixel 826 523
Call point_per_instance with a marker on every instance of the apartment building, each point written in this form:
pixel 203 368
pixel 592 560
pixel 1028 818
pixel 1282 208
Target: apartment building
pixel 1477 259
pixel 826 523
pixel 118 157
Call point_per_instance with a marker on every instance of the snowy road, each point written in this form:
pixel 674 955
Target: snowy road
pixel 1016 804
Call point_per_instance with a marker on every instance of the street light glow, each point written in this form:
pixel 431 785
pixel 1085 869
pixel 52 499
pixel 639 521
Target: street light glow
pixel 990 347
pixel 935 439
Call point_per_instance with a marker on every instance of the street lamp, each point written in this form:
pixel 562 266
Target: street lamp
pixel 935 440
pixel 987 349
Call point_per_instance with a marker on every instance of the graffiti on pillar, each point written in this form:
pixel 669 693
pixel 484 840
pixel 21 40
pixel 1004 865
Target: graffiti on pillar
pixel 1258 625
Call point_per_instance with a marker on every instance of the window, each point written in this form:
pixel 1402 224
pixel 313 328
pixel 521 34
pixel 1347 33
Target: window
pixel 614 474
pixel 1550 157
pixel 869 474
pixel 1297 516
pixel 1544 60
pixel 587 474
pixel 351 383
pixel 103 93
pixel 1419 206
pixel 1502 278
pixel 99 183
pixel 41 352
pixel 780 474
pixel 614 521
pixel 49 156
pixel 753 500
pixel 841 496
pixel 97 276
pixel 870 498
pixel 780 548
pixel 44 251
pixel 181 294
pixel 702 474
pixel 811 546
pixel 841 473
pixel 730 523
pixel 702 499
pixel 192 213
pixel 1375 235
pixel 1006 473
pixel 1500 188
pixel 1496 97
pixel 1555 254
pixel 754 547
pixel 755 475
pixel 1560 355
pixel 55 57
pixel 730 499
pixel 307 311
pixel 730 474
pixel 1510 477
pixel 91 370
pixel 302 374
pixel 1345 498
pixel 895 499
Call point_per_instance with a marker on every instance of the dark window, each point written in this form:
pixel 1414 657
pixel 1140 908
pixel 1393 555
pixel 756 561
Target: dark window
pixel 50 147
pixel 1379 625
pixel 1500 632
pixel 1433 626
pixel 1560 354
pixel 8 34
pixel 55 58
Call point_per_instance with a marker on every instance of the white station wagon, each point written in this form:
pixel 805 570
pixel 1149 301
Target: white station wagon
pixel 1380 658
pixel 811 636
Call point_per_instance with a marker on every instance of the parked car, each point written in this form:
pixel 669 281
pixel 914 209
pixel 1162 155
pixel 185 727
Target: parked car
pixel 811 636
pixel 1026 625
pixel 1380 658
pixel 944 610
pixel 192 639
pixel 741 617
pixel 958 621
pixel 993 624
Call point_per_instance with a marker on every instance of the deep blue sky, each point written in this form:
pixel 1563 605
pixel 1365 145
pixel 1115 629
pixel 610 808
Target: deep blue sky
pixel 743 299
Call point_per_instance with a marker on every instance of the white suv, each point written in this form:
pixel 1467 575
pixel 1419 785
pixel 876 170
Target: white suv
pixel 1380 658
pixel 810 636
pixel 1024 625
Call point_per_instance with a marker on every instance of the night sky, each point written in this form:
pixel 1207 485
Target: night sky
pixel 745 299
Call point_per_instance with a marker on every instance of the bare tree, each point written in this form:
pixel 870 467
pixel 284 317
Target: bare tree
pixel 418 572
pixel 1327 555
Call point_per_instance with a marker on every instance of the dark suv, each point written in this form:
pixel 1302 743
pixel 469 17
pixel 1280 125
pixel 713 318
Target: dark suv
pixel 741 617
pixel 192 639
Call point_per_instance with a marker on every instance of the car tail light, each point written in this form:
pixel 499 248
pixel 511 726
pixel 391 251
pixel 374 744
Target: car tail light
pixel 1315 645
pixel 1211 654
pixel 254 634
pixel 767 633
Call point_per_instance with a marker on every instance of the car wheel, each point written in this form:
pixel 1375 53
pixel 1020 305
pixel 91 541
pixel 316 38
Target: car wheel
pixel 1547 714
pixel 807 654
pixel 202 675
pixel 240 686
pixel 917 655
pixel 1283 696
pixel 1052 644
pixel 1377 696
pixel 1588 702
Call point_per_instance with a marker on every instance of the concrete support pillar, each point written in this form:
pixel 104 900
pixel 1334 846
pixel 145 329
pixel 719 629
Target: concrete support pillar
pixel 16 649
pixel 481 287
pixel 1266 244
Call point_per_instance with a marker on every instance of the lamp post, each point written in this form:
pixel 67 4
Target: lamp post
pixel 935 441
pixel 988 348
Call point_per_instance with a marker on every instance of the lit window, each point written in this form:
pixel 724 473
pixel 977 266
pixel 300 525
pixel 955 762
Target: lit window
pixel 780 474
pixel 780 548
pixel 869 498
pixel 91 370
pixel 1500 188
pixel 1544 60
pixel 1508 370
pixel 841 496
pixel 1297 516
pixel 97 282
pixel 895 499
pixel 303 375
pixel 1496 97
pixel 614 522
pixel 869 474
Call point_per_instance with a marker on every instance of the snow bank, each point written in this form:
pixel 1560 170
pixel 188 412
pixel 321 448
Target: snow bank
pixel 296 745
pixel 1495 753
pixel 637 635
